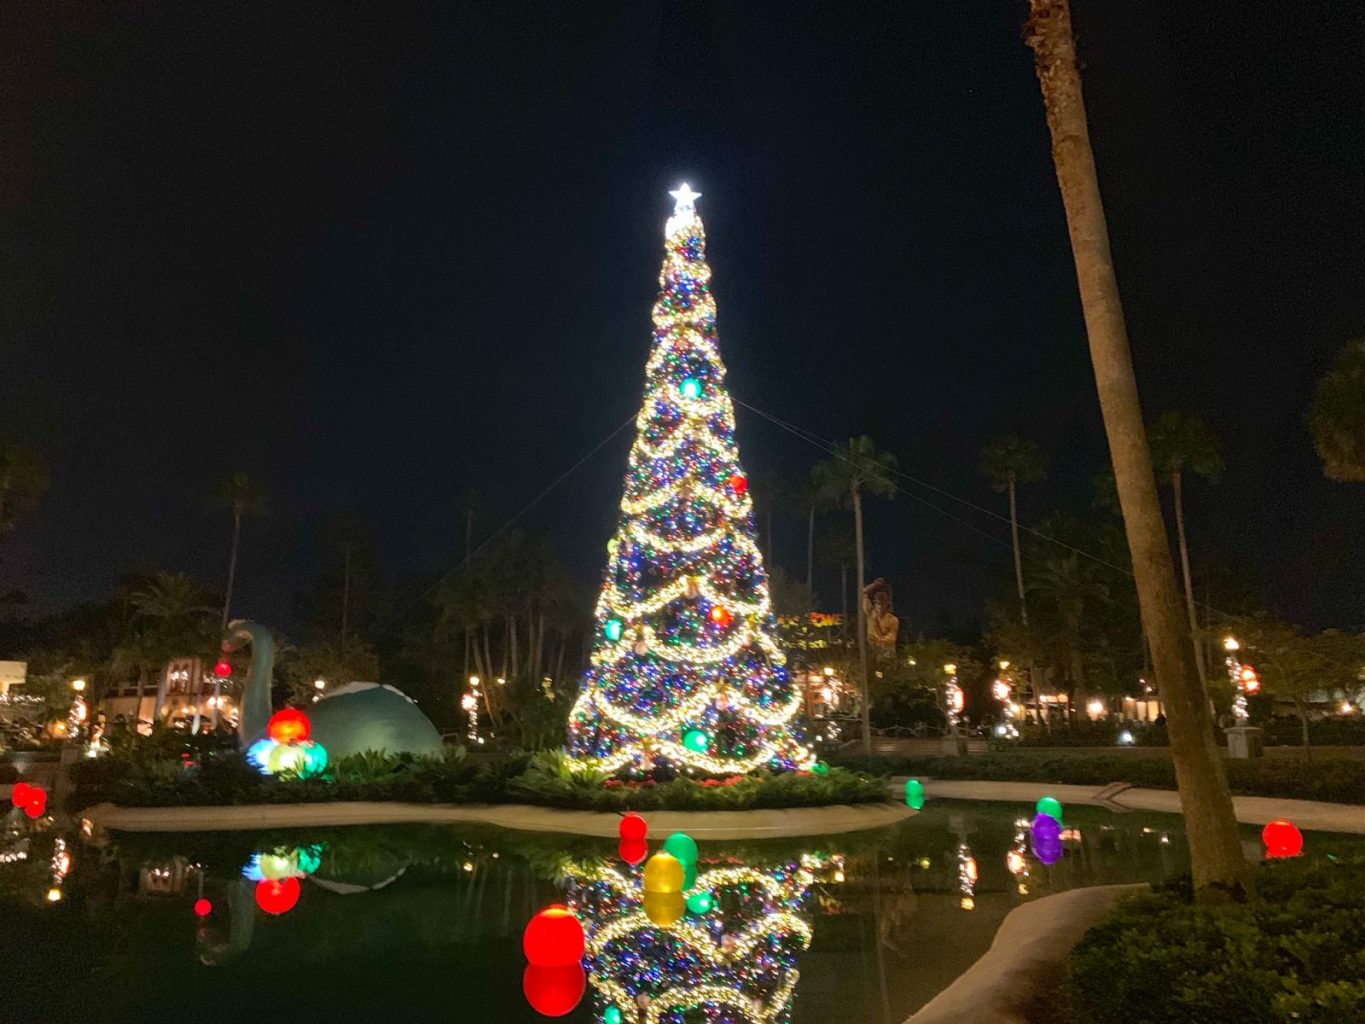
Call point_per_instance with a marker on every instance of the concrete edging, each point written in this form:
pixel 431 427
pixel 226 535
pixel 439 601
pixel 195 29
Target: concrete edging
pixel 1028 950
pixel 1309 815
pixel 704 825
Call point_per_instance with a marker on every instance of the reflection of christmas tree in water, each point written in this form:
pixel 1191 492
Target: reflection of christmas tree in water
pixel 685 664
pixel 730 958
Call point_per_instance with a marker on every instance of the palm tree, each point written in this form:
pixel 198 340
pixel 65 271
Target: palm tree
pixel 1010 461
pixel 854 471
pixel 1182 444
pixel 1072 593
pixel 1337 416
pixel 244 497
pixel 23 479
pixel 1215 850
pixel 171 613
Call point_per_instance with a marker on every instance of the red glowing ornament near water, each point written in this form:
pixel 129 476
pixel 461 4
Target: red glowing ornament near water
pixel 223 669
pixel 633 827
pixel 739 483
pixel 277 895
pixel 553 938
pixel 554 991
pixel 721 616
pixel 289 725
pixel 633 851
pixel 1282 839
pixel 202 907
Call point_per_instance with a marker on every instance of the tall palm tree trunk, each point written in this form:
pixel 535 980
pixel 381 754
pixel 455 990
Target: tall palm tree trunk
pixel 1215 850
pixel 862 625
pixel 1195 637
pixel 1019 585
pixel 232 561
pixel 810 553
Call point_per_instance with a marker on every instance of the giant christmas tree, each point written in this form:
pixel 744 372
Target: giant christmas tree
pixel 685 672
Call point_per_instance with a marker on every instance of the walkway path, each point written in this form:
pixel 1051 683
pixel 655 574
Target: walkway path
pixel 1310 815
pixel 758 824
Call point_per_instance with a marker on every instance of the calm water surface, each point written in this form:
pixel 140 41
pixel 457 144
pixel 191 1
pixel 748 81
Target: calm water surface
pixel 411 923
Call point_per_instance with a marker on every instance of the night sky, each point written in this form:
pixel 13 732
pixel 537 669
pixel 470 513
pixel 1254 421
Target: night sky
pixel 379 255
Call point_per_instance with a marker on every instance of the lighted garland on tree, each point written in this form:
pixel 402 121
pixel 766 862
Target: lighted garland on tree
pixel 686 671
pixel 731 958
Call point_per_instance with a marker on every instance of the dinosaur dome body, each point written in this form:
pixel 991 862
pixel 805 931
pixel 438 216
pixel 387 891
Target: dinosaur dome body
pixel 368 716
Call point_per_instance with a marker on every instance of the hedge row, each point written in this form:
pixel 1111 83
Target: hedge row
pixel 1294 953
pixel 1335 780
pixel 543 779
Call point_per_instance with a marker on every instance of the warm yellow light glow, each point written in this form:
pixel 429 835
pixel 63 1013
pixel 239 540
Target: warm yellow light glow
pixel 829 670
pixel 1230 644
pixel 78 685
pixel 950 668
pixel 1004 664
pixel 320 684
pixel 54 895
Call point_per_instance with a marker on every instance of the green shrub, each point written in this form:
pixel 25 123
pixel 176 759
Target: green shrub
pixel 545 778
pixel 1294 953
pixel 1335 780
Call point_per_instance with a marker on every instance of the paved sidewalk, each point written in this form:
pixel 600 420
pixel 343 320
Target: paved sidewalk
pixel 758 824
pixel 1030 949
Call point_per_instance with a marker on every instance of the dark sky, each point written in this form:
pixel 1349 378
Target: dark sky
pixel 377 255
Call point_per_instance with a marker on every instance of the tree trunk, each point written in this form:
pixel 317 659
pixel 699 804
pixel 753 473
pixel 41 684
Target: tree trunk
pixel 1179 496
pixel 843 597
pixel 1302 710
pixel 862 625
pixel 232 561
pixel 1215 849
pixel 1023 603
pixel 810 554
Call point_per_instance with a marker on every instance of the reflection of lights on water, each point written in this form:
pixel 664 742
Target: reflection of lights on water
pixel 1014 860
pixel 967 903
pixel 732 954
pixel 54 895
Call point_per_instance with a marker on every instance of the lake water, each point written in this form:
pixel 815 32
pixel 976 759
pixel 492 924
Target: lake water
pixel 410 923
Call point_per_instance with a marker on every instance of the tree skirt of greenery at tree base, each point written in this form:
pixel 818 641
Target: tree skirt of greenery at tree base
pixel 1334 780
pixel 544 779
pixel 1294 953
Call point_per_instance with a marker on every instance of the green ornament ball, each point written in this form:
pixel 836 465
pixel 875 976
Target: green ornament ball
pixel 612 1015
pixel 914 794
pixel 691 388
pixel 613 628
pixel 820 768
pixel 314 759
pixel 689 876
pixel 1050 806
pixel 697 741
pixel 700 902
pixel 682 846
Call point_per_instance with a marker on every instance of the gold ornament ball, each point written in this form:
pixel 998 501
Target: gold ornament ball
pixel 664 873
pixel 664 908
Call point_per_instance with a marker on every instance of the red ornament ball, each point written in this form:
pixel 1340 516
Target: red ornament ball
pixel 739 483
pixel 36 804
pixel 223 669
pixel 21 794
pixel 553 938
pixel 289 725
pixel 277 895
pixel 721 616
pixel 202 907
pixel 554 991
pixel 633 851
pixel 633 827
pixel 1282 839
